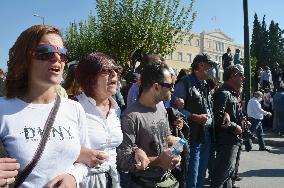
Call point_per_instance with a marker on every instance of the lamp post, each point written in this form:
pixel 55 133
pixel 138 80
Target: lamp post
pixel 246 53
pixel 41 17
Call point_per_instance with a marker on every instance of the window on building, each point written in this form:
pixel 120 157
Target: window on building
pixel 220 58
pixel 170 56
pixel 189 55
pixel 222 47
pixel 216 46
pixel 216 58
pixel 180 56
pixel 209 44
pixel 197 42
pixel 189 41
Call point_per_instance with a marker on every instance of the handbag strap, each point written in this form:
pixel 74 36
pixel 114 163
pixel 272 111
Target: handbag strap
pixel 46 132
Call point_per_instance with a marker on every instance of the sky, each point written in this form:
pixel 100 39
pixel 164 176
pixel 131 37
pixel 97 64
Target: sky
pixel 226 15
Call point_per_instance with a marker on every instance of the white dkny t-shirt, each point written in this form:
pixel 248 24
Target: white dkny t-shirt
pixel 21 126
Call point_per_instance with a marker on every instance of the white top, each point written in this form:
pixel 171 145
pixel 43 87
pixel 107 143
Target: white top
pixel 254 109
pixel 21 126
pixel 104 133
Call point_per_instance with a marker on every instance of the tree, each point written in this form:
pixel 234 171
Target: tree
pixel 255 46
pixel 263 56
pixel 119 27
pixel 276 44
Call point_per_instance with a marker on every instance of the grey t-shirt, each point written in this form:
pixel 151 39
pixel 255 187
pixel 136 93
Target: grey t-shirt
pixel 146 128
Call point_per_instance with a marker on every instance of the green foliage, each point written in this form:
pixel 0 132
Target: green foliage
pixel 276 47
pixel 121 26
pixel 254 83
pixel 255 47
pixel 267 46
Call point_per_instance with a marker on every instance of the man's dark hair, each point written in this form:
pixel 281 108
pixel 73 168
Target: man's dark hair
pixel 152 73
pixel 229 72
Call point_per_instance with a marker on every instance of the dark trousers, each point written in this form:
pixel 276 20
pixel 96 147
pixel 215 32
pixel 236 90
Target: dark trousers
pixel 237 162
pixel 211 161
pixel 276 85
pixel 224 166
pixel 265 84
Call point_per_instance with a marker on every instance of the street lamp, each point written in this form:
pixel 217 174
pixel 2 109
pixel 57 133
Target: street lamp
pixel 42 18
pixel 246 53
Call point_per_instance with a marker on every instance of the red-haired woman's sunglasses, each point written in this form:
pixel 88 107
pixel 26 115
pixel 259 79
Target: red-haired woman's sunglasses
pixel 109 70
pixel 46 52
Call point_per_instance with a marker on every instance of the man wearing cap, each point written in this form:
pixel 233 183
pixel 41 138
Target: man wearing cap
pixel 227 101
pixel 192 97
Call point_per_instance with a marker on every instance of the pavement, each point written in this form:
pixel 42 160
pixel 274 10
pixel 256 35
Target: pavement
pixel 261 169
pixel 272 139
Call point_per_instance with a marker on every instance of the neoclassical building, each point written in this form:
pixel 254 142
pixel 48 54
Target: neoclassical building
pixel 213 43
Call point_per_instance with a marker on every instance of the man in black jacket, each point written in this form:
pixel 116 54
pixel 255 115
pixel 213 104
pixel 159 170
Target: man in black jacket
pixel 227 59
pixel 228 141
pixel 276 77
pixel 192 96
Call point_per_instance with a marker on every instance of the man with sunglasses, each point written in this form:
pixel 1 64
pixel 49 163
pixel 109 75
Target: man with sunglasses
pixel 145 130
pixel 193 98
pixel 228 141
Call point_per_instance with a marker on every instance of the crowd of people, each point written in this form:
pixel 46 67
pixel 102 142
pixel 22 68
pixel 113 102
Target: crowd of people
pixel 269 81
pixel 89 131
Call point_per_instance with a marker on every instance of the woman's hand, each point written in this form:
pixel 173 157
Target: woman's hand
pixel 91 157
pixel 63 181
pixel 8 171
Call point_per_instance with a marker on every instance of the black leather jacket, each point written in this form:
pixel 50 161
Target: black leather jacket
pixel 198 101
pixel 226 99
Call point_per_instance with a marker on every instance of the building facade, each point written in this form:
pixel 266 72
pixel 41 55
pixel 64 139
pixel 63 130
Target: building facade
pixel 213 43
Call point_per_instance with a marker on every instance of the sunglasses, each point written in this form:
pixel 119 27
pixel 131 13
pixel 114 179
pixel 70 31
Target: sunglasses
pixel 109 70
pixel 239 74
pixel 167 85
pixel 46 52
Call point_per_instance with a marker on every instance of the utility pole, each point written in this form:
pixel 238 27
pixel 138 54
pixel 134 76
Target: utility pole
pixel 246 54
pixel 41 17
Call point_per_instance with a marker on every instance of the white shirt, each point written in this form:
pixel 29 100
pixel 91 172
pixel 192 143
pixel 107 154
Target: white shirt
pixel 21 126
pixel 254 109
pixel 104 133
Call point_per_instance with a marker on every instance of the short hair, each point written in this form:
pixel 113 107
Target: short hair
pixel 200 58
pixel 231 71
pixel 258 94
pixel 149 59
pixel 88 69
pixel 20 56
pixel 152 58
pixel 152 73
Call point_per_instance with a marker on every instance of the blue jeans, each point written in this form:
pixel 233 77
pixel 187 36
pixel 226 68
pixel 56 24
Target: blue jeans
pixel 198 162
pixel 256 125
